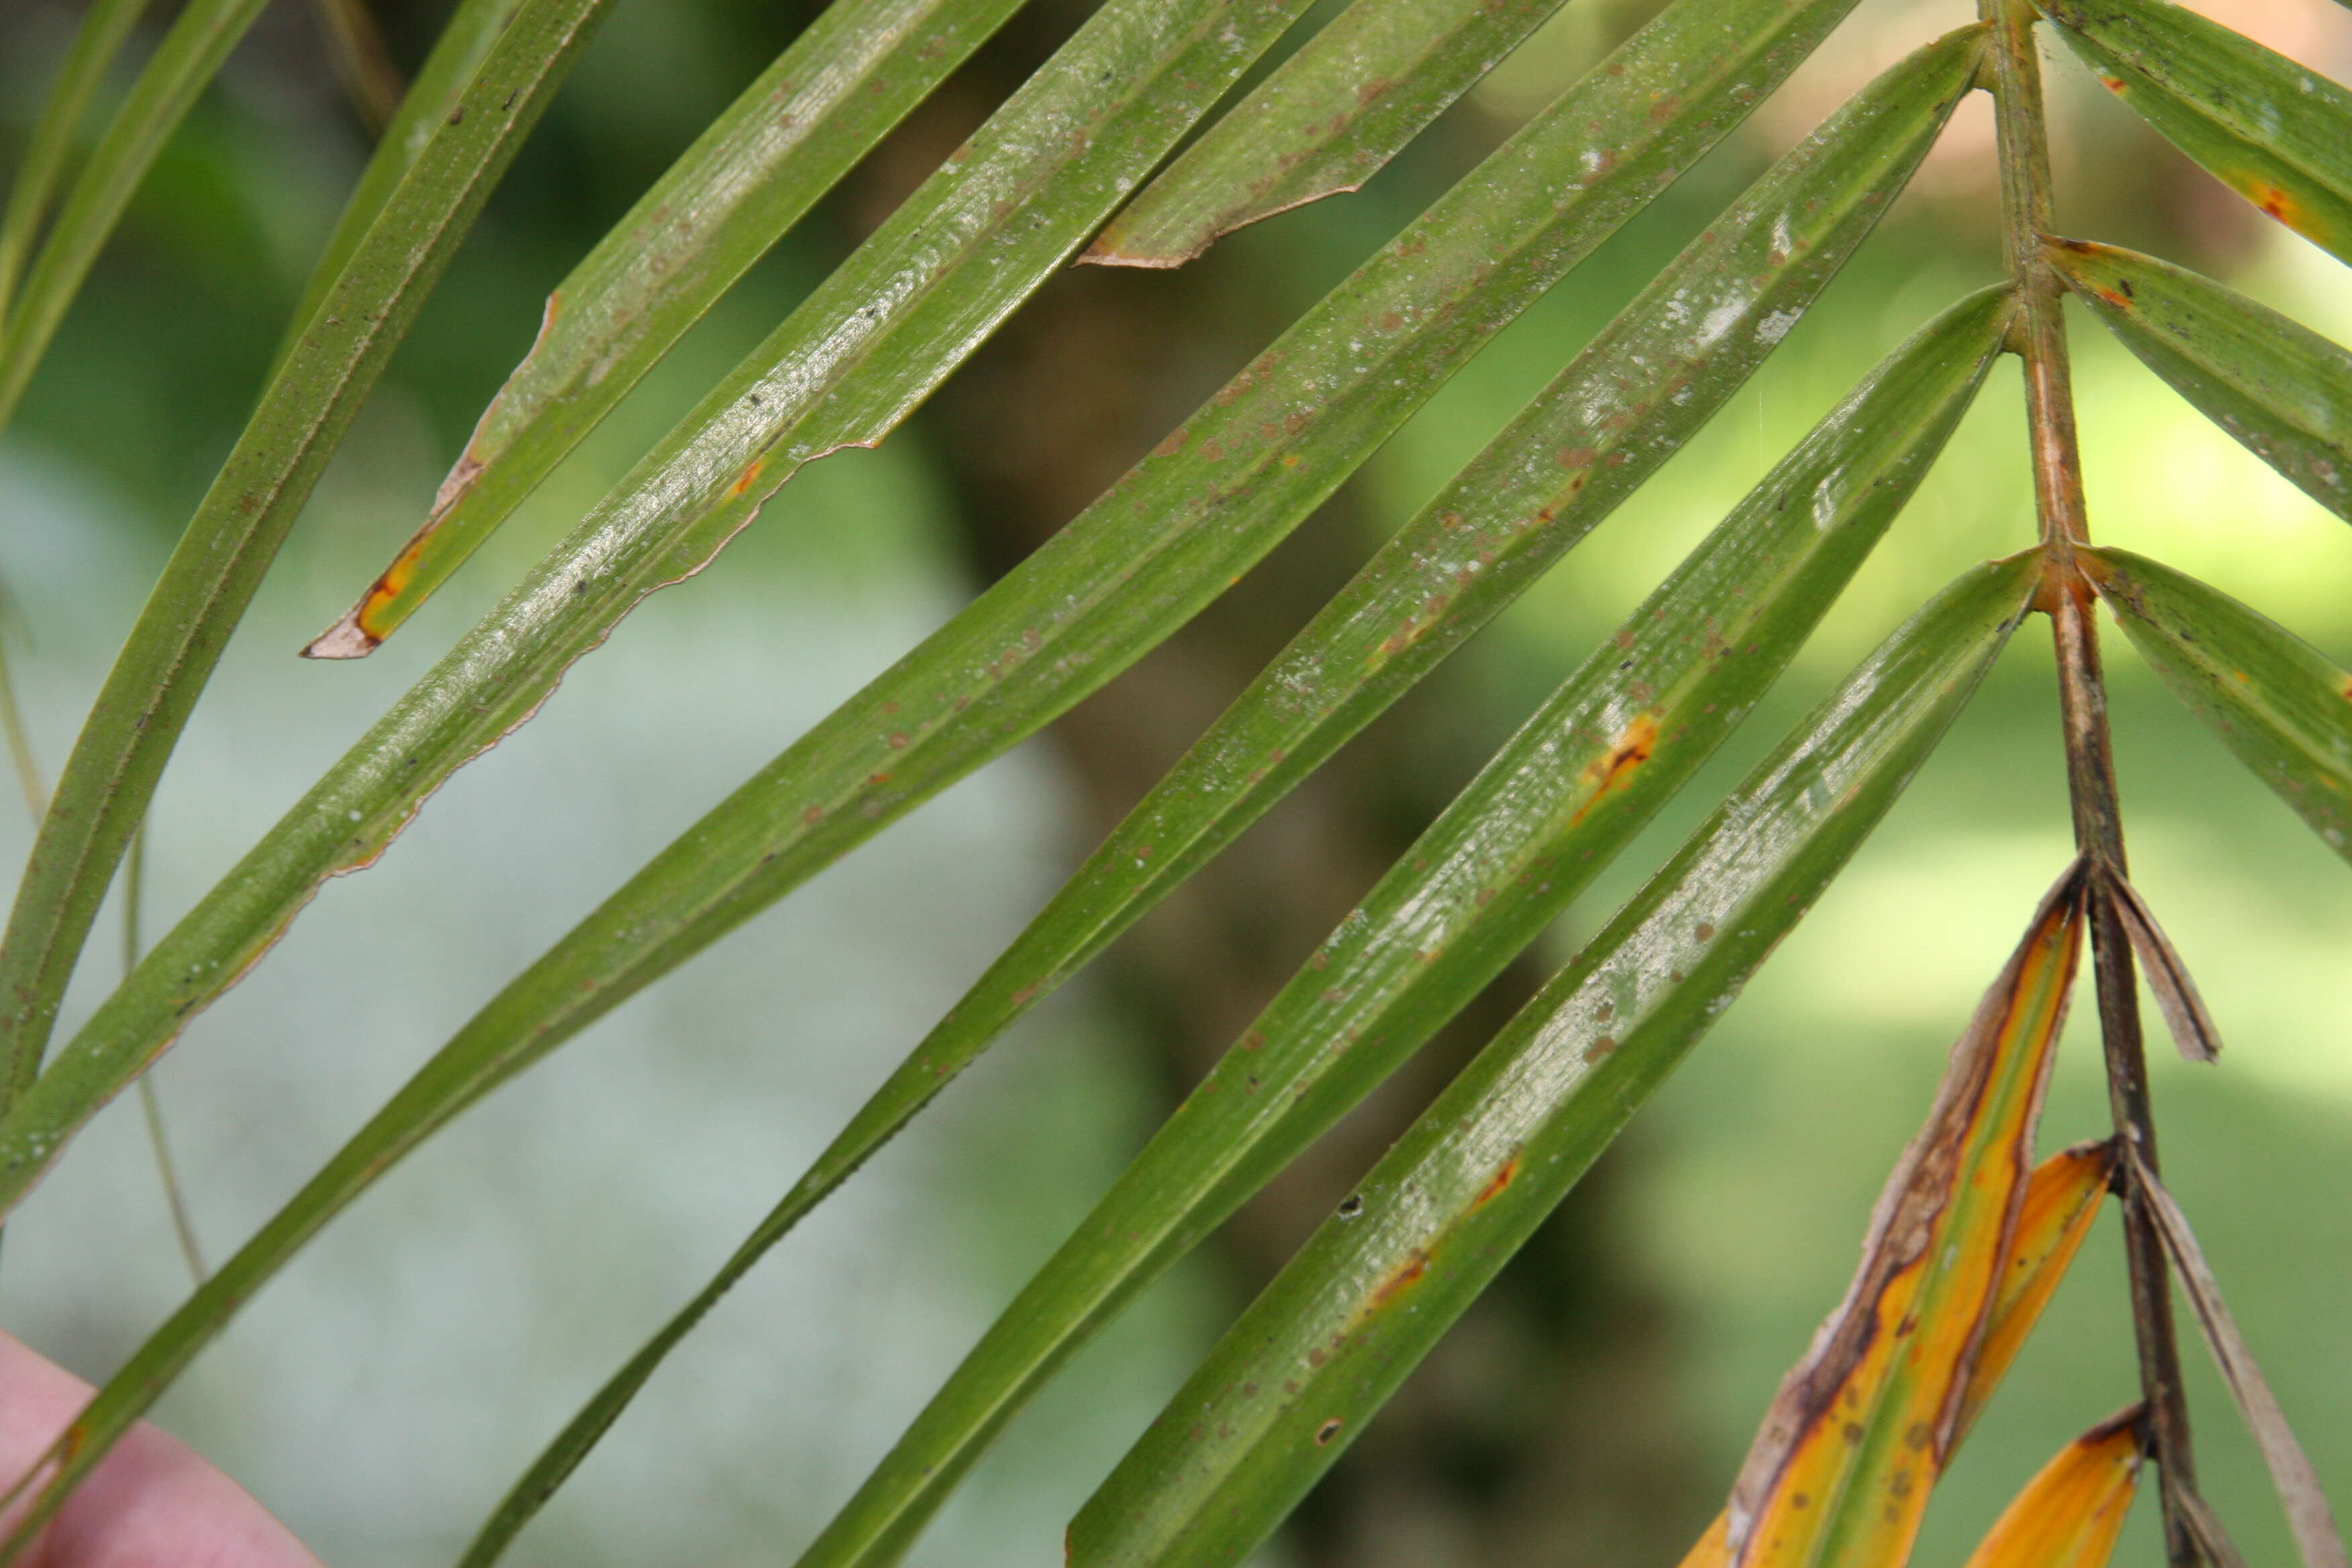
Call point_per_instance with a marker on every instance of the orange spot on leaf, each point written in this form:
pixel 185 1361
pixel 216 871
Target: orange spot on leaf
pixel 1625 756
pixel 1414 1267
pixel 2275 200
pixel 1502 1178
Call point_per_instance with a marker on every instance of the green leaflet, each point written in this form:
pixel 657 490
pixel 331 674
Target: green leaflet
pixel 1648 380
pixel 1327 120
pixel 980 234
pixel 2279 135
pixel 1293 1381
pixel 1341 672
pixel 465 41
pixel 1552 808
pixel 2282 390
pixel 1833 495
pixel 2275 700
pixel 95 44
pixel 1256 461
pixel 1540 822
pixel 183 63
pixel 244 517
pixel 854 73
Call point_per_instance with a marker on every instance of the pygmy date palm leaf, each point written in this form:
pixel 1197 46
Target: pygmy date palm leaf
pixel 1138 143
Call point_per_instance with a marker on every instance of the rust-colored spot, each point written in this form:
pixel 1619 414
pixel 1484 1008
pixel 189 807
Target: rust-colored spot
pixel 1170 443
pixel 2345 690
pixel 372 618
pixel 1705 931
pixel 1601 1049
pixel 747 478
pixel 2112 83
pixel 1502 1178
pixel 1578 457
pixel 1625 756
pixel 1414 1267
pixel 2275 200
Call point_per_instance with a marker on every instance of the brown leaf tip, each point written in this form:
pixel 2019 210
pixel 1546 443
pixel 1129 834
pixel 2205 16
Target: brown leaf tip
pixel 344 640
pixel 1105 251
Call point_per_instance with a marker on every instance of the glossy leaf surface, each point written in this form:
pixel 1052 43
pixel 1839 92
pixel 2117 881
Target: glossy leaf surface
pixel 984 232
pixel 2283 705
pixel 1540 820
pixel 1256 459
pixel 2281 389
pixel 1327 120
pixel 807 119
pixel 2070 1514
pixel 1497 526
pixel 2275 131
pixel 230 543
pixel 1293 1381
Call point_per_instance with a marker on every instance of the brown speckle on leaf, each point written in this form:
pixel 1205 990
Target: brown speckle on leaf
pixel 1502 1179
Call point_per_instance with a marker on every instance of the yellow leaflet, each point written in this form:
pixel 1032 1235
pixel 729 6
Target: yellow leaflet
pixel 1861 1427
pixel 2070 1514
pixel 2060 1201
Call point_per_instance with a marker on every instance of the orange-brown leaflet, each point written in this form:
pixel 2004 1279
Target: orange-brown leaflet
pixel 2069 1515
pixel 1863 1424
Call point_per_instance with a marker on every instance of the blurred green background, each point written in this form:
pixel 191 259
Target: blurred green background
pixel 388 1388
